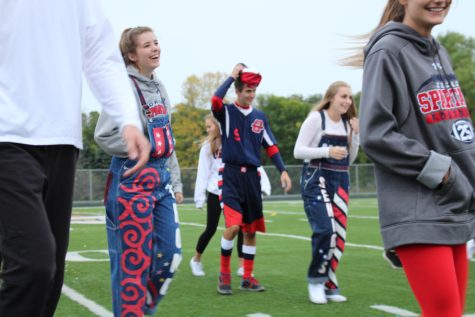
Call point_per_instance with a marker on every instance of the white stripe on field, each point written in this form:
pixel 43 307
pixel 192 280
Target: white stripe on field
pixel 102 312
pixel 364 217
pixel 302 213
pixel 394 310
pixel 91 220
pixel 293 236
pixel 96 309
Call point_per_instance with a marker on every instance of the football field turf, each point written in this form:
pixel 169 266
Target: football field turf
pixel 373 288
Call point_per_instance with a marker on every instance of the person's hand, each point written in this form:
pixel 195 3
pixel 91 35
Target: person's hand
pixel 285 181
pixel 138 147
pixel 179 197
pixel 446 177
pixel 338 152
pixel 236 70
pixel 355 124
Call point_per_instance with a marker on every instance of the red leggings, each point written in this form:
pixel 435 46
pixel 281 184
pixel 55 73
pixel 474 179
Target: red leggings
pixel 438 277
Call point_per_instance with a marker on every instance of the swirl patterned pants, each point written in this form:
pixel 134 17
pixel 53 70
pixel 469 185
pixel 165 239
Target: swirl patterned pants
pixel 143 236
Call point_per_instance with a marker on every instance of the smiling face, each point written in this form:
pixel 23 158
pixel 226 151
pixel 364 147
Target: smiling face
pixel 342 101
pixel 423 15
pixel 146 56
pixel 246 96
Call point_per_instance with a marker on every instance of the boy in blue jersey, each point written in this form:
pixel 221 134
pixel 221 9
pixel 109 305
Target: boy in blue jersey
pixel 244 130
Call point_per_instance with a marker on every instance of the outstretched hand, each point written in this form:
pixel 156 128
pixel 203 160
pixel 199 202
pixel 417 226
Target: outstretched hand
pixel 285 181
pixel 138 147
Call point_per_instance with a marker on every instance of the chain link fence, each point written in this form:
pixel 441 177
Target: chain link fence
pixel 90 183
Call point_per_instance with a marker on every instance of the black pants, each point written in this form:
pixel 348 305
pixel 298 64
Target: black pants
pixel 213 210
pixel 36 188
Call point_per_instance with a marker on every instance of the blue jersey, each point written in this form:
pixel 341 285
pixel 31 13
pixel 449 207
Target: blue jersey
pixel 243 132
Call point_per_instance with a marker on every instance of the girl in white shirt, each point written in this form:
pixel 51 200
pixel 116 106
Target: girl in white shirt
pixel 327 142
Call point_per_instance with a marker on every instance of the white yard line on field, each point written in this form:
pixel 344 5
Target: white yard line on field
pixel 394 310
pixel 99 219
pixel 96 309
pixel 365 217
pixel 292 236
pixel 102 312
pixel 276 212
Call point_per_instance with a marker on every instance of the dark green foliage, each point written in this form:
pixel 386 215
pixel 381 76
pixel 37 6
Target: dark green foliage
pixel 462 53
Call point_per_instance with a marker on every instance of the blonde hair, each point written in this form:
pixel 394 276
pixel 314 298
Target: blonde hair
pixel 128 41
pixel 393 11
pixel 213 138
pixel 332 90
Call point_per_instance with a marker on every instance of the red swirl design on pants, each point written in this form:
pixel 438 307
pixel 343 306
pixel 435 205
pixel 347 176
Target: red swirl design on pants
pixel 135 223
pixel 141 187
pixel 135 234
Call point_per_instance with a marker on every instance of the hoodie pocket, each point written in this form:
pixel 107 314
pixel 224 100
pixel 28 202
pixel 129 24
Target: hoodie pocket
pixel 456 195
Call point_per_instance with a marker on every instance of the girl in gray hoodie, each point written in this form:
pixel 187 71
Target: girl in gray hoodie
pixel 415 126
pixel 142 220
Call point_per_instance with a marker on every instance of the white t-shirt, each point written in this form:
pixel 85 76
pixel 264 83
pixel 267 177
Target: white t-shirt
pixel 45 48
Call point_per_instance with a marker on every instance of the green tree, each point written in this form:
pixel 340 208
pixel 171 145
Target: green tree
pixel 92 156
pixel 285 115
pixel 362 157
pixel 199 90
pixel 462 54
pixel 188 130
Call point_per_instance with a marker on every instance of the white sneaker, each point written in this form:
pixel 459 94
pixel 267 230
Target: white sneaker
pixel 196 268
pixel 240 271
pixel 316 293
pixel 470 249
pixel 337 298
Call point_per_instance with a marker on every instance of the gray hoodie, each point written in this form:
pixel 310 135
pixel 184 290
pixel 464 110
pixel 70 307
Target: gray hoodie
pixel 107 133
pixel 415 126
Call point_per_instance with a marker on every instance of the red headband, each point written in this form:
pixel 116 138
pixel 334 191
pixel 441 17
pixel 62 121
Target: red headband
pixel 250 77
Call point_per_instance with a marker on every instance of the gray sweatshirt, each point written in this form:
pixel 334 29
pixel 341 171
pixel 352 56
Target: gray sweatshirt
pixel 415 126
pixel 107 133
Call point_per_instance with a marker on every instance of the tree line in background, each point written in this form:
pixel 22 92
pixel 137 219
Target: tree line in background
pixel 285 114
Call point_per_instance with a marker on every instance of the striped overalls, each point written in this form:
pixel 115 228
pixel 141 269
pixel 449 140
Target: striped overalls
pixel 325 186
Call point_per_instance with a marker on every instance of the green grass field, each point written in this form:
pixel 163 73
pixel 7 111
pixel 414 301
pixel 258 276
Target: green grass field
pixel 281 264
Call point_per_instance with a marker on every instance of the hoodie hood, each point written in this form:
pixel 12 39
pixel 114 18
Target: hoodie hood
pixel 150 87
pixel 425 45
pixel 133 71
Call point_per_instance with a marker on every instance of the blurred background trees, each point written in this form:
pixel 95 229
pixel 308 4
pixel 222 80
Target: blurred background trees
pixel 285 114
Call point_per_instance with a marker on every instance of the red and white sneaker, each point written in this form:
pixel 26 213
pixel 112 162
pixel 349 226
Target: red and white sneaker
pixel 224 284
pixel 252 285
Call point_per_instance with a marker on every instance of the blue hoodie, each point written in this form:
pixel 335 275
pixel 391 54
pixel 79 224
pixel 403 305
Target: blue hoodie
pixel 415 126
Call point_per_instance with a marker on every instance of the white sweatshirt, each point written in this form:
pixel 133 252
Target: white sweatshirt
pixel 207 177
pixel 306 146
pixel 45 48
